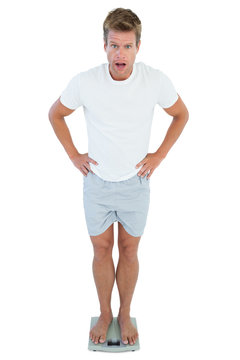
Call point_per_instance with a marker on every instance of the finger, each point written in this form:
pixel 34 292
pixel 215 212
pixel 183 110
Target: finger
pixel 84 170
pixel 144 172
pixel 141 173
pixel 140 164
pixel 143 162
pixel 93 161
pixel 89 169
pixel 150 174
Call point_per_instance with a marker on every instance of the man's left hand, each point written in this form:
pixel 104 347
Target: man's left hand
pixel 150 163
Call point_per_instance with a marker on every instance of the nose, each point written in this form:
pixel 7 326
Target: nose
pixel 120 52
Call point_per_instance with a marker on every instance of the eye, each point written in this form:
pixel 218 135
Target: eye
pixel 129 45
pixel 114 45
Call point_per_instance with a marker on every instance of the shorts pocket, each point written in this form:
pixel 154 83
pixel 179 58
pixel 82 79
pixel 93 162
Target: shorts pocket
pixel 86 181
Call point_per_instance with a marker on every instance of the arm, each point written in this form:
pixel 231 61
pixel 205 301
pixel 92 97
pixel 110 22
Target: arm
pixel 56 116
pixel 180 117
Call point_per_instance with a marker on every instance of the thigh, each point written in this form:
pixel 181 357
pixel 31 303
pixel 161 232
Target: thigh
pixel 125 239
pixel 106 239
pixel 133 205
pixel 99 213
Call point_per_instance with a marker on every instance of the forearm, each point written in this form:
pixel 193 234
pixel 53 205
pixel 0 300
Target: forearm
pixel 63 134
pixel 173 133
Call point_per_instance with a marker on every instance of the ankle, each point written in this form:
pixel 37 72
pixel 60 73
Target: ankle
pixel 124 311
pixel 106 312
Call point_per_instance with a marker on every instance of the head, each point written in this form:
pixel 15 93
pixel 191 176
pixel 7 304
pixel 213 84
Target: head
pixel 121 34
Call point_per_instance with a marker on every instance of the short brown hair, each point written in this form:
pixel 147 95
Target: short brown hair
pixel 120 19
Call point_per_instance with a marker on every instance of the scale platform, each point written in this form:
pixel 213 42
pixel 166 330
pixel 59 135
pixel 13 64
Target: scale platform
pixel 113 341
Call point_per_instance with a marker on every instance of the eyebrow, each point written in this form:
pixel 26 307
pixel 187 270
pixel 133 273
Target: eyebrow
pixel 114 42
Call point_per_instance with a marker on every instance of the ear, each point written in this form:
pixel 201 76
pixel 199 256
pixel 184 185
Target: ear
pixel 105 45
pixel 139 43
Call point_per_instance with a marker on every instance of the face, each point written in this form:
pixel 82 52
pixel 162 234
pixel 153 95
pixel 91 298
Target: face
pixel 121 49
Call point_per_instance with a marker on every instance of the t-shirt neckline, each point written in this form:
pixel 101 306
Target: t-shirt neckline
pixel 120 82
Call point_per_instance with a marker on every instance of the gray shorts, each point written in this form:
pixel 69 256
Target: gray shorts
pixel 126 201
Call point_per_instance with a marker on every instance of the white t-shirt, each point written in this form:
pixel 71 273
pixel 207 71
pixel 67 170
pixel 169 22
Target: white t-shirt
pixel 118 115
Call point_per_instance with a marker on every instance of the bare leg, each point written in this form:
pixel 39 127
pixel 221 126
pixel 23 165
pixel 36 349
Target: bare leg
pixel 104 277
pixel 126 277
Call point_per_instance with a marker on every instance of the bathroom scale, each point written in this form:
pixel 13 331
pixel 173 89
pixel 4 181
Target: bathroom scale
pixel 113 341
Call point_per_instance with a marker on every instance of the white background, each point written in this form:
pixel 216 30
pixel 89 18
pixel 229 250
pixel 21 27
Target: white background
pixel 186 300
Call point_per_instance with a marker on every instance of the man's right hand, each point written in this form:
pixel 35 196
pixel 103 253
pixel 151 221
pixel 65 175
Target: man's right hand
pixel 81 161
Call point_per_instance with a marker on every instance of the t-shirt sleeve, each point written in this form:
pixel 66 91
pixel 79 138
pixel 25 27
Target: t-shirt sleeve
pixel 71 95
pixel 166 92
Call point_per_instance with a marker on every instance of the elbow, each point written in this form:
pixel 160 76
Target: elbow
pixel 51 114
pixel 183 116
pixel 186 115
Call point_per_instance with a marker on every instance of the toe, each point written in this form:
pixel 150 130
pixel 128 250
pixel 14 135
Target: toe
pixel 125 340
pixel 102 339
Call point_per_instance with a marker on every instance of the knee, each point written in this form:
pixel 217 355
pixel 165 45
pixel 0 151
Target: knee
pixel 102 250
pixel 129 252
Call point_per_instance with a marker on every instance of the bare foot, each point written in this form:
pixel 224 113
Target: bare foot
pixel 99 331
pixel 128 331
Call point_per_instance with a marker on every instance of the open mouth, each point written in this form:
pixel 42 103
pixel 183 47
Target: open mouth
pixel 120 66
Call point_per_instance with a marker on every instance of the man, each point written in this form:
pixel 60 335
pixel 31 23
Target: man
pixel 118 99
